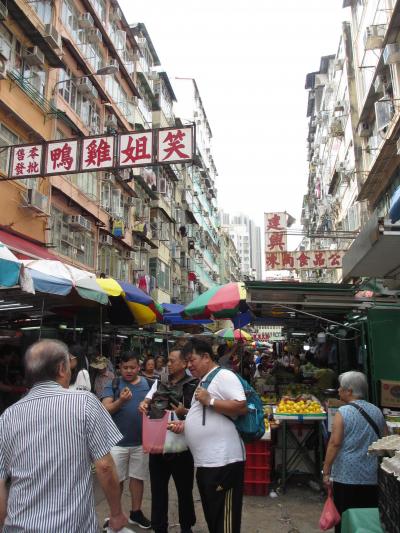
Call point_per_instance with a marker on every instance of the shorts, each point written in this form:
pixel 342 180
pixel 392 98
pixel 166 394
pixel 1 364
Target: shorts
pixel 130 462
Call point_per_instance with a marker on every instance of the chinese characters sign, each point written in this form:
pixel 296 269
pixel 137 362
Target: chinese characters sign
pixel 275 232
pixel 304 260
pixel 26 161
pixel 175 145
pixel 62 157
pixel 103 152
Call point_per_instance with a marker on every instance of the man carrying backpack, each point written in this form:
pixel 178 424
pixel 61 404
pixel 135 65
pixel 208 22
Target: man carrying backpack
pixel 176 396
pixel 214 440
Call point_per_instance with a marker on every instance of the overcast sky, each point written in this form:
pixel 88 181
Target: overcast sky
pixel 250 60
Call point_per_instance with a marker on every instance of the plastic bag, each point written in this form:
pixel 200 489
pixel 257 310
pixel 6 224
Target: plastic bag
pixel 330 516
pixel 174 442
pixel 154 433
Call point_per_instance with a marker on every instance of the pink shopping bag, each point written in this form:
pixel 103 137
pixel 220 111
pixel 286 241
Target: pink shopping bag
pixel 153 433
pixel 330 516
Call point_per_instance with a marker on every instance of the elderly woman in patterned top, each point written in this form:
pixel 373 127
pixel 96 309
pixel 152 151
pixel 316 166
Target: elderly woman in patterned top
pixel 347 465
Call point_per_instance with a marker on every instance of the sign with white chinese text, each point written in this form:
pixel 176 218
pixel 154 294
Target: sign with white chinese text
pixel 26 161
pixel 175 145
pixel 97 153
pixel 135 149
pixel 304 260
pixel 61 157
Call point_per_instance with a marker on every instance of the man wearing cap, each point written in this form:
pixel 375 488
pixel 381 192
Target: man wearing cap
pixel 102 375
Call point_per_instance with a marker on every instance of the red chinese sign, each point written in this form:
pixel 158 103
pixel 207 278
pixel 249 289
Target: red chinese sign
pixel 135 149
pixel 303 260
pixel 26 161
pixel 62 157
pixel 97 153
pixel 275 232
pixel 175 145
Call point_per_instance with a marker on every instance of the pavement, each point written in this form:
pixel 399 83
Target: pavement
pixel 296 511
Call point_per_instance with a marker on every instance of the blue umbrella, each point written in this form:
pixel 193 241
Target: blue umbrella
pixel 172 316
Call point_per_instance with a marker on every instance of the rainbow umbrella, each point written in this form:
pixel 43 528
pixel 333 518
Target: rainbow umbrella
pixel 230 334
pixel 142 306
pixel 221 301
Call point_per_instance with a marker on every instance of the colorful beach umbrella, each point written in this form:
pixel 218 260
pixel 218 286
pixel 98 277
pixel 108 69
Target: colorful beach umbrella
pixel 10 267
pixel 230 334
pixel 172 316
pixel 54 277
pixel 221 301
pixel 142 306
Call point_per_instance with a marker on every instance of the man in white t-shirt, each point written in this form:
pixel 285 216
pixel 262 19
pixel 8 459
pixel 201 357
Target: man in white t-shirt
pixel 216 446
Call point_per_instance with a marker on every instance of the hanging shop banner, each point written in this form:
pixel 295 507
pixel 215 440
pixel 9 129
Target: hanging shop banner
pixel 275 225
pixel 304 260
pixel 135 149
pixel 61 157
pixel 97 153
pixel 175 145
pixel 26 161
pixel 102 152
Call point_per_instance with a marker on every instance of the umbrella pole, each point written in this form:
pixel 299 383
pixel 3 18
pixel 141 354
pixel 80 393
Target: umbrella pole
pixel 74 330
pixel 101 330
pixel 41 320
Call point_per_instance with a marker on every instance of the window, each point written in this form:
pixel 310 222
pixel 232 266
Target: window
pixel 7 138
pixel 160 271
pixel 43 9
pixel 85 108
pixel 100 7
pixel 112 263
pixel 87 183
pixel 78 245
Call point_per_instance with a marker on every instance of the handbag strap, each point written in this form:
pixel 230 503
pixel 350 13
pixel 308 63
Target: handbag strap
pixel 371 422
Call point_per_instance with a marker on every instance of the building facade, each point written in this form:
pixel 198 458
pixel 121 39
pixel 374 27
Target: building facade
pixel 74 68
pixel 353 180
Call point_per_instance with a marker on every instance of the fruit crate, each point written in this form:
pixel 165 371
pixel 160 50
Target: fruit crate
pixel 389 497
pixel 258 446
pixel 259 459
pixel 256 488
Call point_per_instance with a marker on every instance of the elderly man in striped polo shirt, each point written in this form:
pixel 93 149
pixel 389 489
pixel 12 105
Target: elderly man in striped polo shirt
pixel 48 441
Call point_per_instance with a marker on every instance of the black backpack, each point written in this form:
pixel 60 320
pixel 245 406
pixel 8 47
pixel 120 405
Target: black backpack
pixel 168 396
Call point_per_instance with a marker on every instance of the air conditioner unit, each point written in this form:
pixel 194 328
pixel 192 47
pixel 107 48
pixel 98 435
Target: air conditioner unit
pixel 141 41
pixel 79 222
pixel 339 106
pixel 374 36
pixel 33 56
pixel 379 85
pixel 153 75
pixel 338 64
pixel 38 201
pixel 324 139
pixel 94 36
pixel 336 128
pixel 115 14
pixel 85 86
pixel 3 11
pixel 320 80
pixel 391 54
pixel 384 113
pixel 364 130
pixel 52 37
pixel 86 21
pixel 111 121
pixel 131 201
pixel 113 63
pixel 107 240
pixel 3 68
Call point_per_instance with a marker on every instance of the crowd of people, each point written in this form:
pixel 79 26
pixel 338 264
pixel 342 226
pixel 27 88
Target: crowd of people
pixel 76 412
pixel 81 413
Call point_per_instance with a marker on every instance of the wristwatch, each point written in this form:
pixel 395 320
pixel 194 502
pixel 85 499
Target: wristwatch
pixel 212 402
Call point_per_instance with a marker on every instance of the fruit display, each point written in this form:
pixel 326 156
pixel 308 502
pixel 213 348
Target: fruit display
pixel 302 405
pixel 268 398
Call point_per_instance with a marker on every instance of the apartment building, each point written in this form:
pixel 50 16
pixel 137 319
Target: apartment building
pixel 202 225
pixel 247 239
pixel 229 263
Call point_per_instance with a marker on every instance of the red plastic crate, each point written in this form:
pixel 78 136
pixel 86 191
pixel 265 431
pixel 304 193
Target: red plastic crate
pixel 259 446
pixel 256 488
pixel 258 474
pixel 259 459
